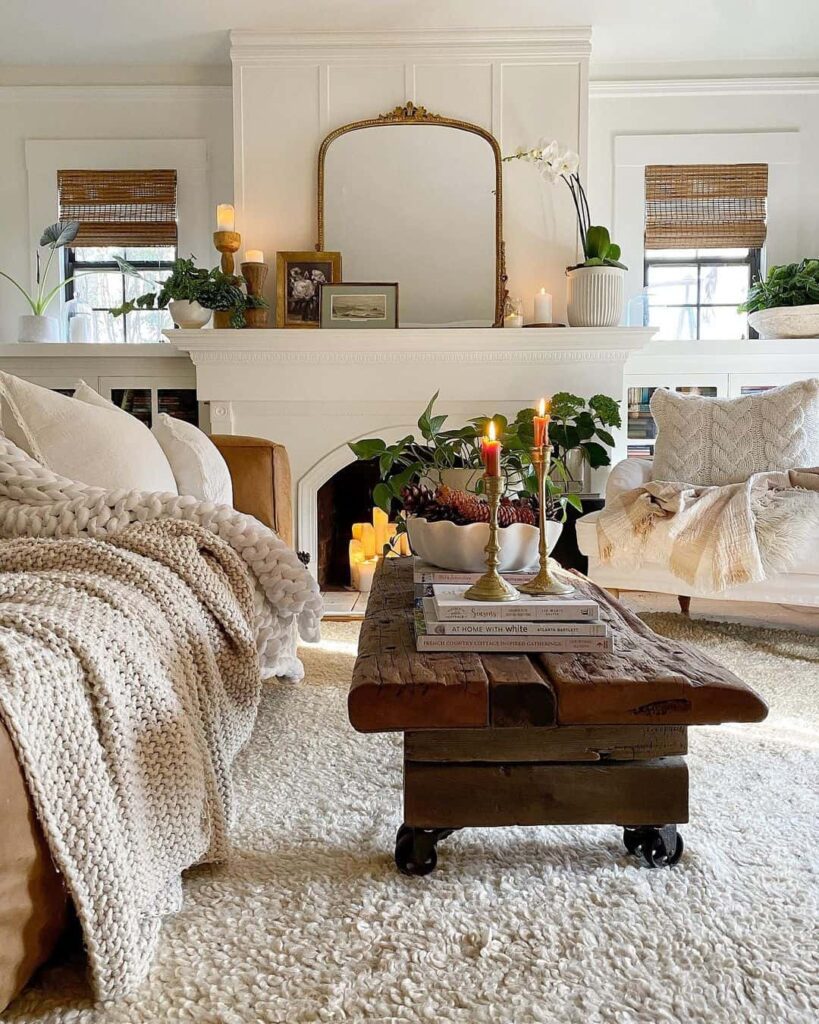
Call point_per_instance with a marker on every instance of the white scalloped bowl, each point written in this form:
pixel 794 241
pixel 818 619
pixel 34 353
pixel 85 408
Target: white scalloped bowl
pixel 461 548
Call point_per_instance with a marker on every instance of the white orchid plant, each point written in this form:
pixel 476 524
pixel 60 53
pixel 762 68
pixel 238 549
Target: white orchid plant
pixel 556 165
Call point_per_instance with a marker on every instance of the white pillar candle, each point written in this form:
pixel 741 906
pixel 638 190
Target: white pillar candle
pixel 356 553
pixel 368 540
pixel 254 256
pixel 543 307
pixel 366 571
pixel 380 521
pixel 392 540
pixel 225 217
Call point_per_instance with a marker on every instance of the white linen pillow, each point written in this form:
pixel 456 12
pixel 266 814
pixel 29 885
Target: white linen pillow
pixel 716 441
pixel 197 463
pixel 102 447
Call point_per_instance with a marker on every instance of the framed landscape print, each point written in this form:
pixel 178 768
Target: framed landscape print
pixel 299 277
pixel 356 304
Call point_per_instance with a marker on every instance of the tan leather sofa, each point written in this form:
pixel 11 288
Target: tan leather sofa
pixel 33 903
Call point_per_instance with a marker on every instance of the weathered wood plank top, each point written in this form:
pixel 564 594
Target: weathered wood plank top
pixel 646 679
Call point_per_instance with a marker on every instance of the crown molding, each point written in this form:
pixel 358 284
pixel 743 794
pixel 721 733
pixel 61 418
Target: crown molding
pixel 112 93
pixel 248 47
pixel 666 87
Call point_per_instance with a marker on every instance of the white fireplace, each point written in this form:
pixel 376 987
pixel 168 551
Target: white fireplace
pixel 315 391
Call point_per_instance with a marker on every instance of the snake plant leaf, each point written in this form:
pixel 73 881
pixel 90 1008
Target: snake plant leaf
pixel 57 235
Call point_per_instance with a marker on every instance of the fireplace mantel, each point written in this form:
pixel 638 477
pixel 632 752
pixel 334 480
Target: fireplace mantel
pixel 314 391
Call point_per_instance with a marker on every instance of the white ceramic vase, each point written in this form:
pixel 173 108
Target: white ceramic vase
pixel 595 296
pixel 786 322
pixel 38 328
pixel 461 548
pixel 188 315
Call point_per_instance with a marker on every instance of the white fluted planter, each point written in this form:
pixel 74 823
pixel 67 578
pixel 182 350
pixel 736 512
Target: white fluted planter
pixel 189 315
pixel 595 296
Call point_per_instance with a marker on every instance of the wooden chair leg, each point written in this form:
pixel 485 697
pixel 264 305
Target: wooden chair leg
pixel 685 604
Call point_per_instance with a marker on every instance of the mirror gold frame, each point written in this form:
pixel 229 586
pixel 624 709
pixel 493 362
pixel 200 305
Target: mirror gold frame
pixel 409 114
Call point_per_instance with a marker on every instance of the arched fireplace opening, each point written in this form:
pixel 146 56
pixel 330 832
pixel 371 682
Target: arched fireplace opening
pixel 344 499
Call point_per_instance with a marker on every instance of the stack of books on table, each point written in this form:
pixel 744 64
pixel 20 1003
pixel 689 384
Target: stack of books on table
pixel 445 620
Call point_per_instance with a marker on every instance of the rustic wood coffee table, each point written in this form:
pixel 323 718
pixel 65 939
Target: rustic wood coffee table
pixel 546 739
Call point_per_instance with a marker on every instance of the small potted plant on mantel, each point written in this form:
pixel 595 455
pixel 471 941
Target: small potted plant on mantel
pixel 37 326
pixel 436 484
pixel 786 303
pixel 596 287
pixel 191 293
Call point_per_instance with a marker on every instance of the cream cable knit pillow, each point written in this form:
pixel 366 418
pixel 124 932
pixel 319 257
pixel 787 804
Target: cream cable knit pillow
pixel 715 441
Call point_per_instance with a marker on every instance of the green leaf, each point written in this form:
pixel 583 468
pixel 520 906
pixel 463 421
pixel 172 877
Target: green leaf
pixel 605 437
pixel 385 462
pixel 598 242
pixel 597 454
pixel 400 480
pixel 382 496
pixel 608 409
pixel 574 500
pixel 585 426
pixel 370 448
pixel 614 252
pixel 60 234
pixel 435 424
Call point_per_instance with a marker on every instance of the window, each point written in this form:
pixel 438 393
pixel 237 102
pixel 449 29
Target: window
pixel 694 293
pixel 99 281
pixel 129 214
pixel 705 228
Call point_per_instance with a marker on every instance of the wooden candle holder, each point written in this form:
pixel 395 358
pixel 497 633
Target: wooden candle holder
pixel 227 243
pixel 254 275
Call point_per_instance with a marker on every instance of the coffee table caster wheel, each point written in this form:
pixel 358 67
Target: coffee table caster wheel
pixel 415 852
pixel 659 847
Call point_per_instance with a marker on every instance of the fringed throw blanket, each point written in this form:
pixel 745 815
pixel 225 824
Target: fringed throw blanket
pixel 714 537
pixel 134 629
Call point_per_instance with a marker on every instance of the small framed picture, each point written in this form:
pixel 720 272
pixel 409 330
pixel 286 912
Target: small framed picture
pixel 299 277
pixel 356 304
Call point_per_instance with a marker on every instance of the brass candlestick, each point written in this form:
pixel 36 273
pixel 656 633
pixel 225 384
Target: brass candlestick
pixel 227 243
pixel 254 275
pixel 543 584
pixel 492 586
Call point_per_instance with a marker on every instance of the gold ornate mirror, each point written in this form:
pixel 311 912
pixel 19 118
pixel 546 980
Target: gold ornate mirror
pixel 423 207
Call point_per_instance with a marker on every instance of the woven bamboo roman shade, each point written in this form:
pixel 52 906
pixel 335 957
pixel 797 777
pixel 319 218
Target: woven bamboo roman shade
pixel 120 207
pixel 705 206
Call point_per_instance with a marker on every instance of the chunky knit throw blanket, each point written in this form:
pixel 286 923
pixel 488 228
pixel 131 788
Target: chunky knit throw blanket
pixel 129 681
pixel 36 502
pixel 714 537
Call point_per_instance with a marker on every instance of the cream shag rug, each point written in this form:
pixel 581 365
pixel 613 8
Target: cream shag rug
pixel 311 921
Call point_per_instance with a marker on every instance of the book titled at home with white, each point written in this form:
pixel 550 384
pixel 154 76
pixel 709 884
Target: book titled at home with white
pixel 426 623
pixel 450 605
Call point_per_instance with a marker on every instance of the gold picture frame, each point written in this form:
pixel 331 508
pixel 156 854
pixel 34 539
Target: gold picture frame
pixel 298 277
pixel 410 114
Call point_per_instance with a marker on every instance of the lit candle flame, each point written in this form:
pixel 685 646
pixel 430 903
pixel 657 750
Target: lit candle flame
pixel 491 430
pixel 541 409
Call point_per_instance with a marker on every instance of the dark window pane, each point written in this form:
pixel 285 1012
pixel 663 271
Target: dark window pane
pixel 179 402
pixel 136 401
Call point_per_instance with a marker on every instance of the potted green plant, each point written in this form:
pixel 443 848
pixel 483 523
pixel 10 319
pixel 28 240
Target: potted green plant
pixel 786 303
pixel 191 293
pixel 435 483
pixel 595 287
pixel 36 326
pixel 580 436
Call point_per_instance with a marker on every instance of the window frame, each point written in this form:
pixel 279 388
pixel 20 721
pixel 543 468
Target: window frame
pixel 71 266
pixel 753 261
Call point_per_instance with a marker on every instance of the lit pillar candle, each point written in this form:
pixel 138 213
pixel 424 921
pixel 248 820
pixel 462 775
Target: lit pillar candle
pixel 380 521
pixel 368 540
pixel 366 571
pixel 225 217
pixel 254 256
pixel 356 559
pixel 541 422
pixel 490 451
pixel 392 539
pixel 543 307
pixel 357 530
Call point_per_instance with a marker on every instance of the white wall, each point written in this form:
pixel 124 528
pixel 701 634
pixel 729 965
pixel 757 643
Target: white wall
pixel 110 113
pixel 740 108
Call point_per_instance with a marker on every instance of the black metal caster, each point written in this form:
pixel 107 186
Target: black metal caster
pixel 660 847
pixel 415 849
